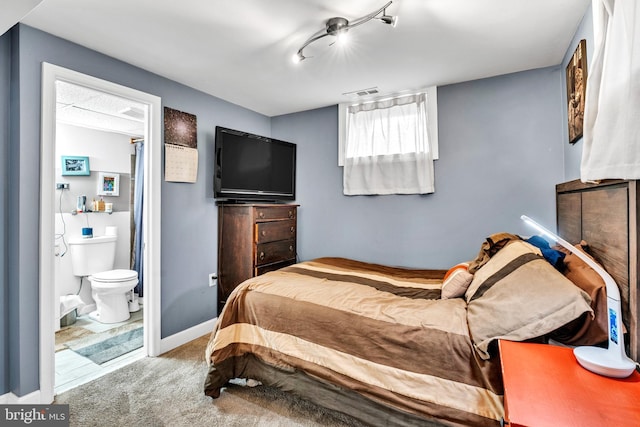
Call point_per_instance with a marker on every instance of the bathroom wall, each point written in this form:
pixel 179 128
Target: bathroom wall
pixel 107 152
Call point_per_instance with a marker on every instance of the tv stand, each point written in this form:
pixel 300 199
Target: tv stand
pixel 253 238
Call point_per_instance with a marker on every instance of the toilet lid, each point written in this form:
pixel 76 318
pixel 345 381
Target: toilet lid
pixel 115 275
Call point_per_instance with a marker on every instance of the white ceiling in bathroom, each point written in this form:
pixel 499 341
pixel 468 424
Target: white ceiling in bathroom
pixel 81 106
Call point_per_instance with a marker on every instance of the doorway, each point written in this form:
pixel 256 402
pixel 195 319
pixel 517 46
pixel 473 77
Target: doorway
pixel 150 105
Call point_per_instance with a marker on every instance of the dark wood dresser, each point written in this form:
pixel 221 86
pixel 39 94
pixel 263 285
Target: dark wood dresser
pixel 253 239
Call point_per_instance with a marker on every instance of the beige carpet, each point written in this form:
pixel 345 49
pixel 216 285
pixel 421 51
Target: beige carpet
pixel 167 391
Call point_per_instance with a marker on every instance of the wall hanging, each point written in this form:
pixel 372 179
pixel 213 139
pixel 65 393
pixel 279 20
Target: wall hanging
pixel 576 86
pixel 108 184
pixel 180 146
pixel 75 165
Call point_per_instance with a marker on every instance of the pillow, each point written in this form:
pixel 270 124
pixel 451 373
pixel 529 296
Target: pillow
pixel 490 247
pixel 589 330
pixel 553 255
pixel 517 295
pixel 456 281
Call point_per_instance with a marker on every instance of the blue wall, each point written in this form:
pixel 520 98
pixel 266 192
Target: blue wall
pixel 500 157
pixel 189 215
pixel 502 151
pixel 573 152
pixel 5 81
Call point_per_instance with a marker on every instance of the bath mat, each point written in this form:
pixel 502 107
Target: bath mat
pixel 113 347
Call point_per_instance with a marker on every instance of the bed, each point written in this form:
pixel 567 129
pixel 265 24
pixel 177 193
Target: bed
pixel 393 346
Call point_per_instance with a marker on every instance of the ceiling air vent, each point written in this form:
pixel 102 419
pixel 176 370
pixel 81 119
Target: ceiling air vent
pixel 133 112
pixel 362 92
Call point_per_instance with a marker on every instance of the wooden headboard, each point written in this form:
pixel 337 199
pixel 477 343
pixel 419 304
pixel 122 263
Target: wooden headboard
pixel 606 216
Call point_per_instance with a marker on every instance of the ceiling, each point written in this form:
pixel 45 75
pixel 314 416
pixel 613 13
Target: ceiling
pixel 240 50
pixel 81 106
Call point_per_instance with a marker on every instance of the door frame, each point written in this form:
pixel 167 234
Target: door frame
pixel 151 208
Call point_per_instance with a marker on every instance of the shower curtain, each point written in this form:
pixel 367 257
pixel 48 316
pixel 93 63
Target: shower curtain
pixel 137 217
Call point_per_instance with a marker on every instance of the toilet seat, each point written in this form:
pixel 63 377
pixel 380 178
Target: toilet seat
pixel 114 276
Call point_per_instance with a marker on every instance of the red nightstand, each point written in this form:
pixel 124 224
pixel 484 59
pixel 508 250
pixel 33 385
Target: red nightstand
pixel 545 386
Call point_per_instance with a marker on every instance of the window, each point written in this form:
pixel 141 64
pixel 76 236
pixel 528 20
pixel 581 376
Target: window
pixel 387 146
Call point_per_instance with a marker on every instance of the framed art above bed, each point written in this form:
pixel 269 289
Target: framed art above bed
pixel 576 75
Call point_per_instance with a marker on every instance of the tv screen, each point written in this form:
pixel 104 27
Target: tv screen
pixel 253 167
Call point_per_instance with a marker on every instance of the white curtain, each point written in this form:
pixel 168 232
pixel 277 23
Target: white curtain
pixel 612 105
pixel 387 148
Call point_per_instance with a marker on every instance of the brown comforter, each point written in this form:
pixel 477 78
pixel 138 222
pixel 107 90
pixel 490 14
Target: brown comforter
pixel 378 331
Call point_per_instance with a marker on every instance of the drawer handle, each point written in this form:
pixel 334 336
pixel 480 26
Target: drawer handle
pixel 290 214
pixel 261 256
pixel 291 248
pixel 292 229
pixel 264 233
pixel 261 214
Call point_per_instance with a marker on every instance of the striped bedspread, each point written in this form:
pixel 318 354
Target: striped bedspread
pixel 381 331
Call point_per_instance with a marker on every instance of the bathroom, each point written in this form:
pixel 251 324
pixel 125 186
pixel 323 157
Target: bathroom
pixel 101 132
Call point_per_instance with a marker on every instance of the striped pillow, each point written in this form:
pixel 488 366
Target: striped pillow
pixel 517 295
pixel 456 281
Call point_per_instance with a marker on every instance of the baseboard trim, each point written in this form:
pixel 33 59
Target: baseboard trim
pixel 32 398
pixel 176 340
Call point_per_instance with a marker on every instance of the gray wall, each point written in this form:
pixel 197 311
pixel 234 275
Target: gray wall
pixel 5 80
pixel 500 157
pixel 573 152
pixel 501 154
pixel 189 223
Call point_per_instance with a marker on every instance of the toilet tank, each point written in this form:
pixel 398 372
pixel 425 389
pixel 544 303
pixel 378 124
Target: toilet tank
pixel 92 255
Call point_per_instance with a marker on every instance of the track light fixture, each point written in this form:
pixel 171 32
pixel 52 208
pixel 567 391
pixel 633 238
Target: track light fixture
pixel 338 27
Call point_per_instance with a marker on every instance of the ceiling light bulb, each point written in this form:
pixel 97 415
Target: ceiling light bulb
pixel 342 37
pixel 391 20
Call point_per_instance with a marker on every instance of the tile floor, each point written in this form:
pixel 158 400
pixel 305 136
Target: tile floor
pixel 73 370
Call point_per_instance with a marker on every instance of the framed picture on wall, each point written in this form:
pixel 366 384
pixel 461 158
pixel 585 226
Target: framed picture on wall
pixel 180 128
pixel 75 165
pixel 108 184
pixel 576 89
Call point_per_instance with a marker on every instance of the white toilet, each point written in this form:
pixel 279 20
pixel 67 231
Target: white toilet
pixel 94 258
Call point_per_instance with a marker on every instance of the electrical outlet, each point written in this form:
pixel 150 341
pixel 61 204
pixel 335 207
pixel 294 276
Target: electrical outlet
pixel 62 186
pixel 213 280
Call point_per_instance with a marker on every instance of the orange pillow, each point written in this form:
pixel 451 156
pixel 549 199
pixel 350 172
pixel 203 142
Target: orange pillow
pixel 456 281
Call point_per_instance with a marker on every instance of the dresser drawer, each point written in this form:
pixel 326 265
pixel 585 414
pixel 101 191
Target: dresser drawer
pixel 275 230
pixel 271 267
pixel 267 253
pixel 268 213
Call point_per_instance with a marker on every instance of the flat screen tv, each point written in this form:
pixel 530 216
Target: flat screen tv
pixel 253 168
